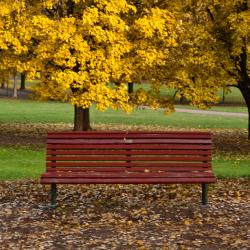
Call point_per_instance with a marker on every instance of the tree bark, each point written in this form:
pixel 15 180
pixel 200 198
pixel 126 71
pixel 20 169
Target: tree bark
pixel 244 82
pixel 23 77
pixel 14 86
pixel 245 91
pixel 82 119
pixel 248 107
pixel 130 87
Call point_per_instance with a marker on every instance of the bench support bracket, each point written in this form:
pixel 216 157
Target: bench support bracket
pixel 53 195
pixel 204 193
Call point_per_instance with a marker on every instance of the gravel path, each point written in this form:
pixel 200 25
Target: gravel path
pixel 206 112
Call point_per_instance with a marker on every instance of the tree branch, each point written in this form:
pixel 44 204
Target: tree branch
pixel 231 73
pixel 210 14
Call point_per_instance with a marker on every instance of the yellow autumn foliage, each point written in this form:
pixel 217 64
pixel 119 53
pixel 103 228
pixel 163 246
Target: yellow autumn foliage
pixel 87 51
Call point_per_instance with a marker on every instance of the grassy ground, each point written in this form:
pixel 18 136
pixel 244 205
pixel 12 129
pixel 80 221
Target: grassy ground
pixel 231 168
pixel 23 118
pixel 21 163
pixel 23 111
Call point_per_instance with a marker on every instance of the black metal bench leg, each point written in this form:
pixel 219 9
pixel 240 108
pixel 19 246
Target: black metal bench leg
pixel 204 193
pixel 53 195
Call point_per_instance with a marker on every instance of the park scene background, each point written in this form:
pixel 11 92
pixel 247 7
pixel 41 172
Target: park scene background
pixel 120 216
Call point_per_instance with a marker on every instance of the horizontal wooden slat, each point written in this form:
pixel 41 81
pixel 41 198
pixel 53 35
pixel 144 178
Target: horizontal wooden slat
pixel 132 146
pixel 129 134
pixel 130 152
pixel 124 164
pixel 128 141
pixel 128 158
pixel 122 169
pixel 126 180
pixel 127 174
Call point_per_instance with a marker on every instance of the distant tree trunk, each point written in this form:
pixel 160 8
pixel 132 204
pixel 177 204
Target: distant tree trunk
pixel 223 96
pixel 130 87
pixel 181 99
pixel 23 78
pixel 14 86
pixel 82 119
pixel 2 85
pixel 248 107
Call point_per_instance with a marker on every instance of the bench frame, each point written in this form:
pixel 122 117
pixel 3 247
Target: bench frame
pixel 184 139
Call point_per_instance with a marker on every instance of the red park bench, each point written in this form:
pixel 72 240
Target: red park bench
pixel 112 157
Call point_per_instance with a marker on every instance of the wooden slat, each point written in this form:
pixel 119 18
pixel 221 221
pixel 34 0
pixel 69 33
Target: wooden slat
pixel 130 152
pixel 126 180
pixel 122 169
pixel 124 164
pixel 129 134
pixel 128 141
pixel 132 146
pixel 128 158
pixel 127 174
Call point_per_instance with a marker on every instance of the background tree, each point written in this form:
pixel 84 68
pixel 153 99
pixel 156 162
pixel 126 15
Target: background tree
pixel 87 51
pixel 4 78
pixel 216 48
pixel 15 39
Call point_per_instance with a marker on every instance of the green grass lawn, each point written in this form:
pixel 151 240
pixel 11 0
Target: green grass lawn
pixel 234 96
pixel 25 111
pixel 177 120
pixel 231 168
pixel 29 164
pixel 21 163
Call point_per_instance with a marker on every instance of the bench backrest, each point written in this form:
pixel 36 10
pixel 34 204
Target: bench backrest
pixel 133 151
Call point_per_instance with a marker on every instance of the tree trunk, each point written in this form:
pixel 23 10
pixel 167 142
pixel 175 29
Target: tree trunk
pixel 247 100
pixel 248 106
pixel 130 87
pixel 223 96
pixel 14 86
pixel 244 82
pixel 245 91
pixel 23 76
pixel 81 120
pixel 2 85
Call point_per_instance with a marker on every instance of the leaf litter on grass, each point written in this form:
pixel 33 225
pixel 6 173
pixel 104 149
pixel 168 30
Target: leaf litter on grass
pixel 229 143
pixel 125 216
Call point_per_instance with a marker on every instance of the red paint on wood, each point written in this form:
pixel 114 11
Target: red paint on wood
pixel 125 180
pixel 115 157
